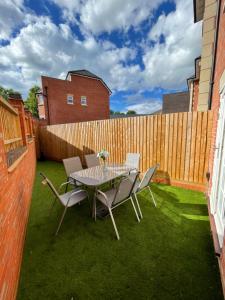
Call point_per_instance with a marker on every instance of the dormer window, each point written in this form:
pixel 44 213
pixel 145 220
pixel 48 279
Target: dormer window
pixel 69 99
pixel 83 100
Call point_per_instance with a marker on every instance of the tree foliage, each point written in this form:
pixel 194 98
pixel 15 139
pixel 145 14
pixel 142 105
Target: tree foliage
pixel 6 92
pixel 31 102
pixel 131 112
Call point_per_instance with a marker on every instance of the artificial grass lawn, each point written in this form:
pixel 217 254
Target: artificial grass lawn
pixel 169 255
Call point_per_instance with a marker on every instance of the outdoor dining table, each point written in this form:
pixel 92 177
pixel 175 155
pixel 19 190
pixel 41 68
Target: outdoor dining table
pixel 96 176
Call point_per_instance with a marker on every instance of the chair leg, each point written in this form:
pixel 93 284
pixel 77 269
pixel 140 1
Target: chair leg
pixel 60 222
pixel 53 203
pixel 153 199
pixel 114 224
pixel 138 205
pixel 134 209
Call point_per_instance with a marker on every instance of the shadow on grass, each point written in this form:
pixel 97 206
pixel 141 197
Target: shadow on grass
pixel 165 256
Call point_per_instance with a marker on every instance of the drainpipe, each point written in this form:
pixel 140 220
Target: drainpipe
pixel 46 96
pixel 214 56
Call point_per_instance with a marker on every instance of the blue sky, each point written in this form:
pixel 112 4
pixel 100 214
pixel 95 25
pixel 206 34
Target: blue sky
pixel 142 49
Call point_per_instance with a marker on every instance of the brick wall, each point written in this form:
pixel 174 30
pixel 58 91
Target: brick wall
pixel 60 112
pixel 195 95
pixel 176 102
pixel 219 70
pixel 15 194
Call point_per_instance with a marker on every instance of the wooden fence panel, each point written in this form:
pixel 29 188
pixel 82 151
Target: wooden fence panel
pixel 10 121
pixel 179 142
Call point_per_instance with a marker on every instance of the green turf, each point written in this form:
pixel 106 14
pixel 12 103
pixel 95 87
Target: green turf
pixel 169 255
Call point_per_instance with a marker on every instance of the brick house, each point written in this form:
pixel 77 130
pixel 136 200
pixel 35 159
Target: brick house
pixel 208 93
pixel 82 96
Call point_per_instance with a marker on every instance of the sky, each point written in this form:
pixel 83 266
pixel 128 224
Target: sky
pixel 142 49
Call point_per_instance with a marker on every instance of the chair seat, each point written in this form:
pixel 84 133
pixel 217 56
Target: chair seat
pixel 74 199
pixel 110 194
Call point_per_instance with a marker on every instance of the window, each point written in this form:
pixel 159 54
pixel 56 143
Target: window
pixel 83 100
pixel 69 99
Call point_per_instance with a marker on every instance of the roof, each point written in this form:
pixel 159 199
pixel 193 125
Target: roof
pixel 199 7
pixel 89 74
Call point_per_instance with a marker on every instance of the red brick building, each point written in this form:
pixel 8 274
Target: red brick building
pixel 209 94
pixel 82 96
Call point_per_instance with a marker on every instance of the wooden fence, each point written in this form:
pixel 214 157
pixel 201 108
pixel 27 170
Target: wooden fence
pixel 10 121
pixel 180 142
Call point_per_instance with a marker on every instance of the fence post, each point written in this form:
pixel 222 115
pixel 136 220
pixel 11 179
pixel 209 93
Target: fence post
pixel 18 103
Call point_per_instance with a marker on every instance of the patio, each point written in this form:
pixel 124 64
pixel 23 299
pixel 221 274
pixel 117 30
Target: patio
pixel 169 255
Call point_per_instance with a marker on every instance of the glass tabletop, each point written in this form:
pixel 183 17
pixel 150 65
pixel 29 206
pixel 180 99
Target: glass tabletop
pixel 98 175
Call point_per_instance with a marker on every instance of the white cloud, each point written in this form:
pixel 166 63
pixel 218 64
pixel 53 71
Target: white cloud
pixel 97 16
pixel 142 103
pixel 168 64
pixel 11 16
pixel 42 47
pixel 146 107
pixel 70 8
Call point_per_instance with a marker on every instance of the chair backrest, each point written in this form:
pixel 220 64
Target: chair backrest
pixel 72 164
pixel 49 183
pixel 125 188
pixel 132 160
pixel 148 177
pixel 92 160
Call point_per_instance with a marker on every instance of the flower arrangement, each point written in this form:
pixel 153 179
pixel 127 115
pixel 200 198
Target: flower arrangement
pixel 103 154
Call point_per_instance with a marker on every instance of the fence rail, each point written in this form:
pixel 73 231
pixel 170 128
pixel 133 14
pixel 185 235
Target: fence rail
pixel 180 142
pixel 10 121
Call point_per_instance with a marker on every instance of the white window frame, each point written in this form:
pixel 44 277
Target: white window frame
pixel 83 100
pixel 69 99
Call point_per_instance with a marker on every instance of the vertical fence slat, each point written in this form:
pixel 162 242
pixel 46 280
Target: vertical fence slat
pixel 179 142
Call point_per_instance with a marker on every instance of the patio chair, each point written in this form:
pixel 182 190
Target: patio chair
pixel 92 160
pixel 68 199
pixel 132 160
pixel 143 184
pixel 116 196
pixel 72 164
